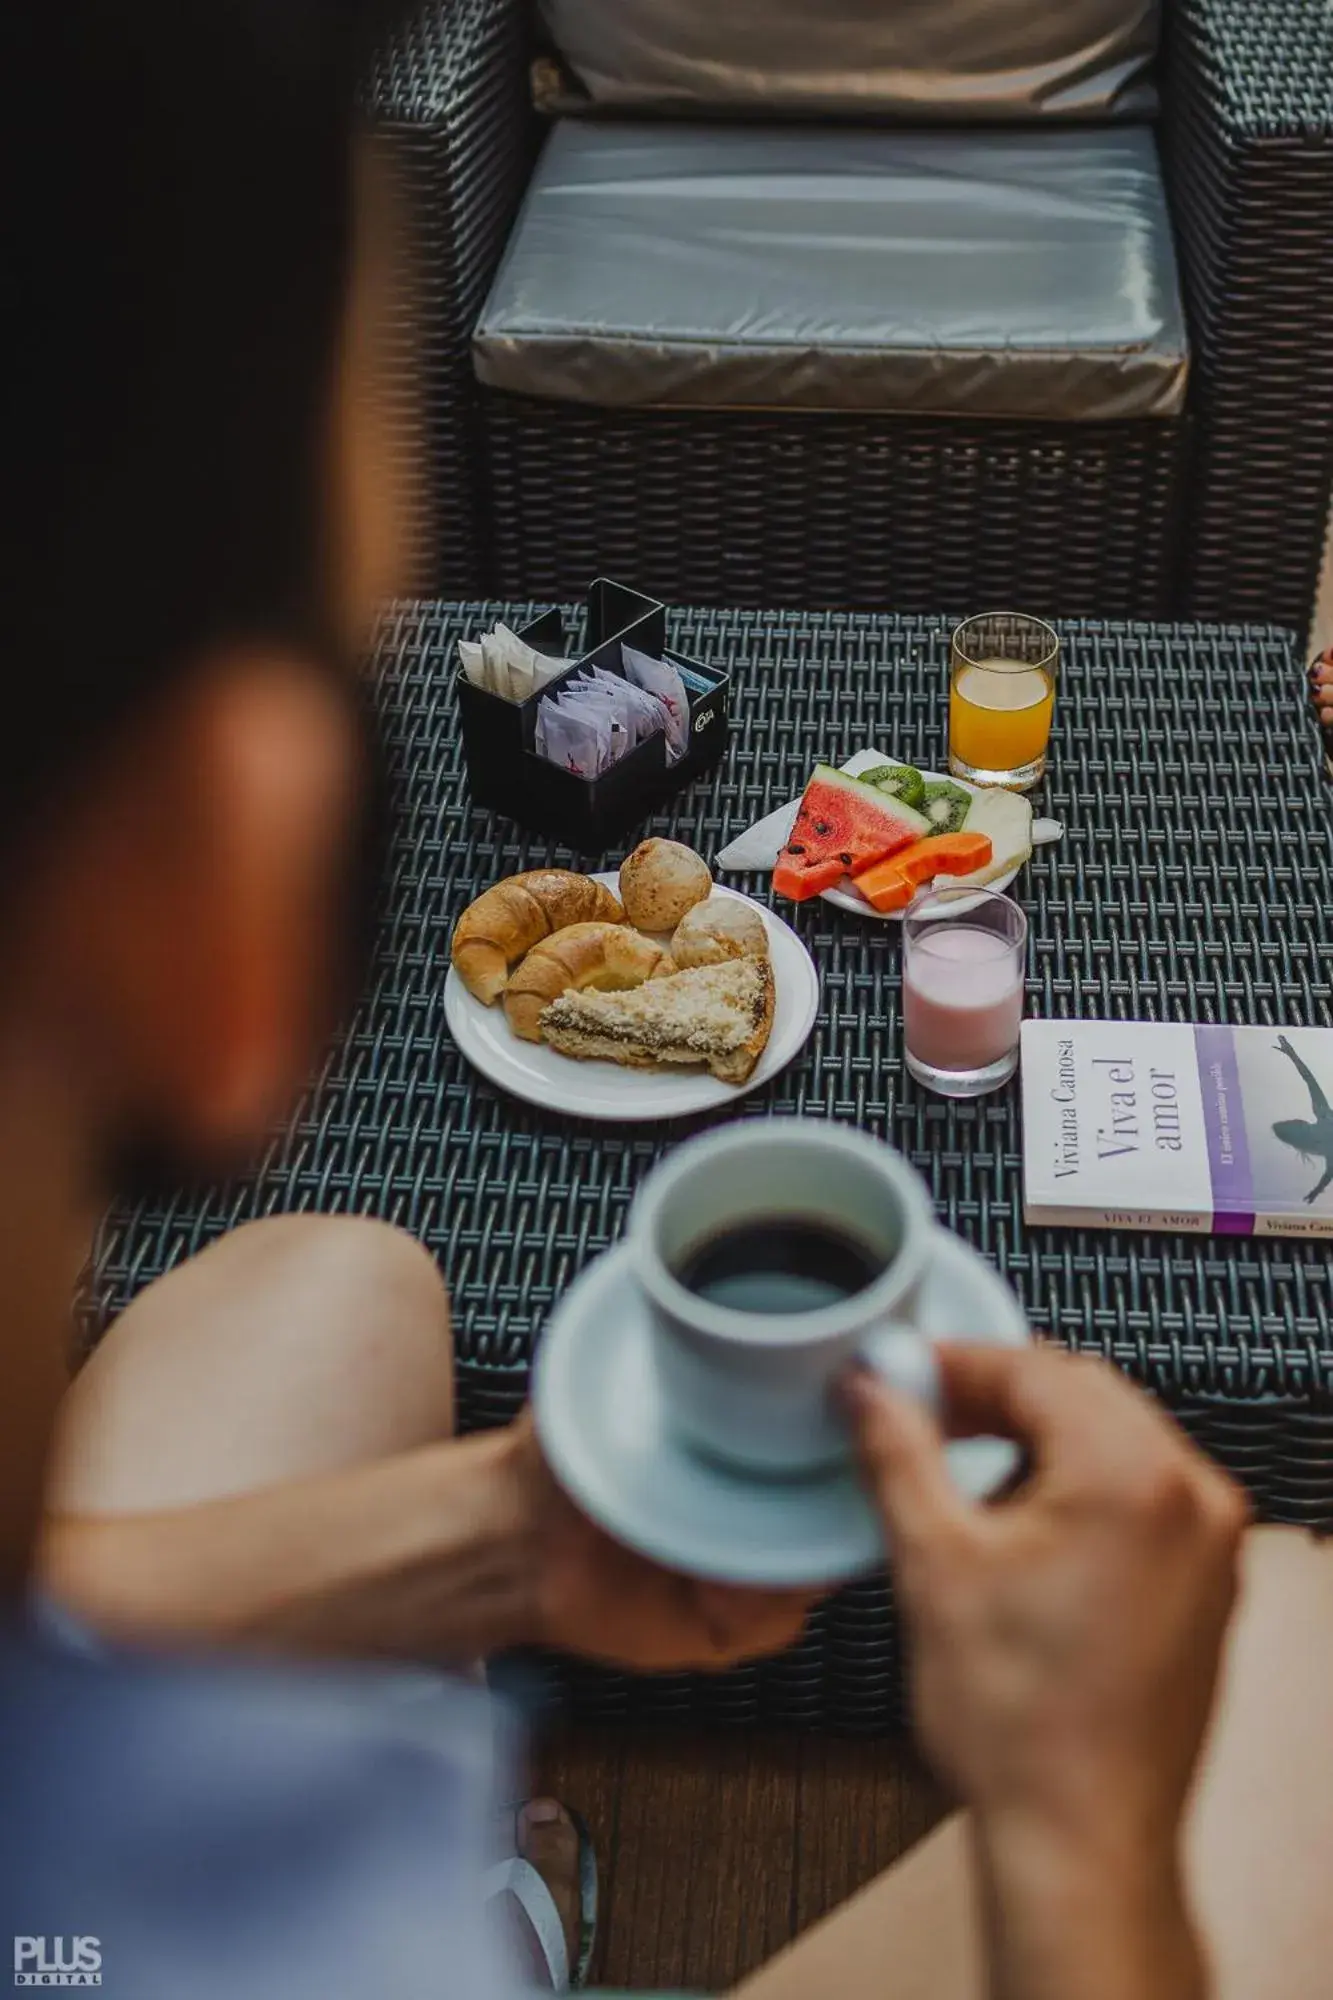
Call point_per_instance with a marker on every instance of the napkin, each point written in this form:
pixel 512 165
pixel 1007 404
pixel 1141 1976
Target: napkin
pixel 756 851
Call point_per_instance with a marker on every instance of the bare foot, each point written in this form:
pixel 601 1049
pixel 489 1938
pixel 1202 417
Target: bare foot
pixel 549 1841
pixel 1321 678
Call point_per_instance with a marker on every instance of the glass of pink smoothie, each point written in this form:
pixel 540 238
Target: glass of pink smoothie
pixel 964 953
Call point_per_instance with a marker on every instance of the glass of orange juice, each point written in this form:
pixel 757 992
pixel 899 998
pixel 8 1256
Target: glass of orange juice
pixel 1001 696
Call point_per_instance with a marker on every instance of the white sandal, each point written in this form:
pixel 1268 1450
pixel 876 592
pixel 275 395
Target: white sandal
pixel 518 1878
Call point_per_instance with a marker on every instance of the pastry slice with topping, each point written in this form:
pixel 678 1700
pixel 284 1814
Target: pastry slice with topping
pixel 715 1017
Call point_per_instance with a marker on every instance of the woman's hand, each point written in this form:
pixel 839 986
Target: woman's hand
pixel 1065 1647
pixel 598 1598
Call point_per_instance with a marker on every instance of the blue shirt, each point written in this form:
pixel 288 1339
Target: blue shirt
pixel 219 1831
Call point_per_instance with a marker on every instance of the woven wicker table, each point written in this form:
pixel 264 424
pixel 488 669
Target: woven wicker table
pixel 1195 883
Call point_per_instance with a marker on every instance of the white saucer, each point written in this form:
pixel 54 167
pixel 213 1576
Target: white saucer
pixel 608 1442
pixel 607 1091
pixel 846 897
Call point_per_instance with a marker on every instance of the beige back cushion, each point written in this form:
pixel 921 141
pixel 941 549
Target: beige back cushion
pixel 940 60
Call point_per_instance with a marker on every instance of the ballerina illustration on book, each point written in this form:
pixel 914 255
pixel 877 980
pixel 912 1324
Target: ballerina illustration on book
pixel 1312 1138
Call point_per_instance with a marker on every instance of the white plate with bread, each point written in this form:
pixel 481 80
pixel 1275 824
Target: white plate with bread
pixel 648 994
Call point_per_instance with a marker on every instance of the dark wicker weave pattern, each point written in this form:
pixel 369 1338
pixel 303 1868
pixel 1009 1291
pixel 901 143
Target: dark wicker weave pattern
pixel 1195 882
pixel 1248 141
pixel 730 508
pixel 455 129
pixel 744 507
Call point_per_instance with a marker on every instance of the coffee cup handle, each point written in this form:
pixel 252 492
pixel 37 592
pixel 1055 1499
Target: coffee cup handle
pixel 905 1359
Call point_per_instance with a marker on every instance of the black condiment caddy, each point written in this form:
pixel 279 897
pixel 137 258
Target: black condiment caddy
pixel 499 737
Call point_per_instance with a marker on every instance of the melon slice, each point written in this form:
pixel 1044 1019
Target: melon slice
pixel 842 825
pixel 1006 819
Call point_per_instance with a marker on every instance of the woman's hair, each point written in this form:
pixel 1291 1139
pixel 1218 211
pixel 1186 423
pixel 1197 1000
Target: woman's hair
pixel 178 230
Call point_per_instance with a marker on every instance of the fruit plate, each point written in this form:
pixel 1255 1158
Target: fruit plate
pixel 605 1091
pixel 846 896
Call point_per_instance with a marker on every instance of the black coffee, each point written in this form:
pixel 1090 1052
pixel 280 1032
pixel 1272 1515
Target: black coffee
pixel 778 1264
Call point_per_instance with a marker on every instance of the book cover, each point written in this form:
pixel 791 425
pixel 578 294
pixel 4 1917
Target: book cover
pixel 1158 1125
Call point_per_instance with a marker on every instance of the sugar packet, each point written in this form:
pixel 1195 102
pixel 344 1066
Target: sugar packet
pixel 473 661
pixel 506 665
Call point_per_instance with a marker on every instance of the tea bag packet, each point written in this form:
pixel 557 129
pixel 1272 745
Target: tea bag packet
pixel 589 708
pixel 659 678
pixel 597 724
pixel 622 738
pixel 599 718
pixel 568 739
pixel 642 713
pixel 650 714
pixel 695 683
pixel 595 706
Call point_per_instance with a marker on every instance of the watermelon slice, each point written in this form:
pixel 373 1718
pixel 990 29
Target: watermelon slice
pixel 843 825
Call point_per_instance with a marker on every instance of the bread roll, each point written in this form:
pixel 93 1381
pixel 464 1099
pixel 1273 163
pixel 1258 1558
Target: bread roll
pixel 722 928
pixel 495 932
pixel 608 957
pixel 660 881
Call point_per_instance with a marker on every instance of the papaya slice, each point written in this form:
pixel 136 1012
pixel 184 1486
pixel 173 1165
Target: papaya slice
pixel 891 884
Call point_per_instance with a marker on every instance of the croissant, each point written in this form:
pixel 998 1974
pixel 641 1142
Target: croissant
pixel 494 932
pixel 606 956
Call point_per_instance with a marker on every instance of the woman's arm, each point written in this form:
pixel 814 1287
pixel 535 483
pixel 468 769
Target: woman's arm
pixel 1085 1918
pixel 448 1552
pixel 1065 1648
pixel 429 1553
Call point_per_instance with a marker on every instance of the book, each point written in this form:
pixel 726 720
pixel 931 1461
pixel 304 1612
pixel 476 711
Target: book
pixel 1159 1125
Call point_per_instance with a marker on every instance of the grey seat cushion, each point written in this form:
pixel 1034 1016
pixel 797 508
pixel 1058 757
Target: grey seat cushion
pixel 935 59
pixel 998 274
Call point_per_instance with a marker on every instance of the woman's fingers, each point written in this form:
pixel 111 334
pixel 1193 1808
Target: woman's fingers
pixel 749 1623
pixel 1081 1421
pixel 901 1456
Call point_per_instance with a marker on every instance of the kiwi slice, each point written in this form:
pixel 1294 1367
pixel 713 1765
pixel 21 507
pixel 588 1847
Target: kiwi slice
pixel 896 781
pixel 945 805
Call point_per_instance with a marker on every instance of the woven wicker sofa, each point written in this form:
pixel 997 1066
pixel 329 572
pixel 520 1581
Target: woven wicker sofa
pixel 1217 512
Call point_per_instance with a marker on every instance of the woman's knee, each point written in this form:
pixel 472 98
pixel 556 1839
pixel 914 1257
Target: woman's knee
pixel 294 1345
pixel 364 1295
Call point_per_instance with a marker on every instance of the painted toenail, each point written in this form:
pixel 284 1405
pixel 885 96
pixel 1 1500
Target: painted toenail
pixel 542 1812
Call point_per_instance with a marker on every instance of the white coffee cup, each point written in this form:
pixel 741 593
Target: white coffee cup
pixel 753 1389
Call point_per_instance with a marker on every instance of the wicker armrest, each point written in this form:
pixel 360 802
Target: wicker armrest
pixel 1248 144
pixel 449 106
